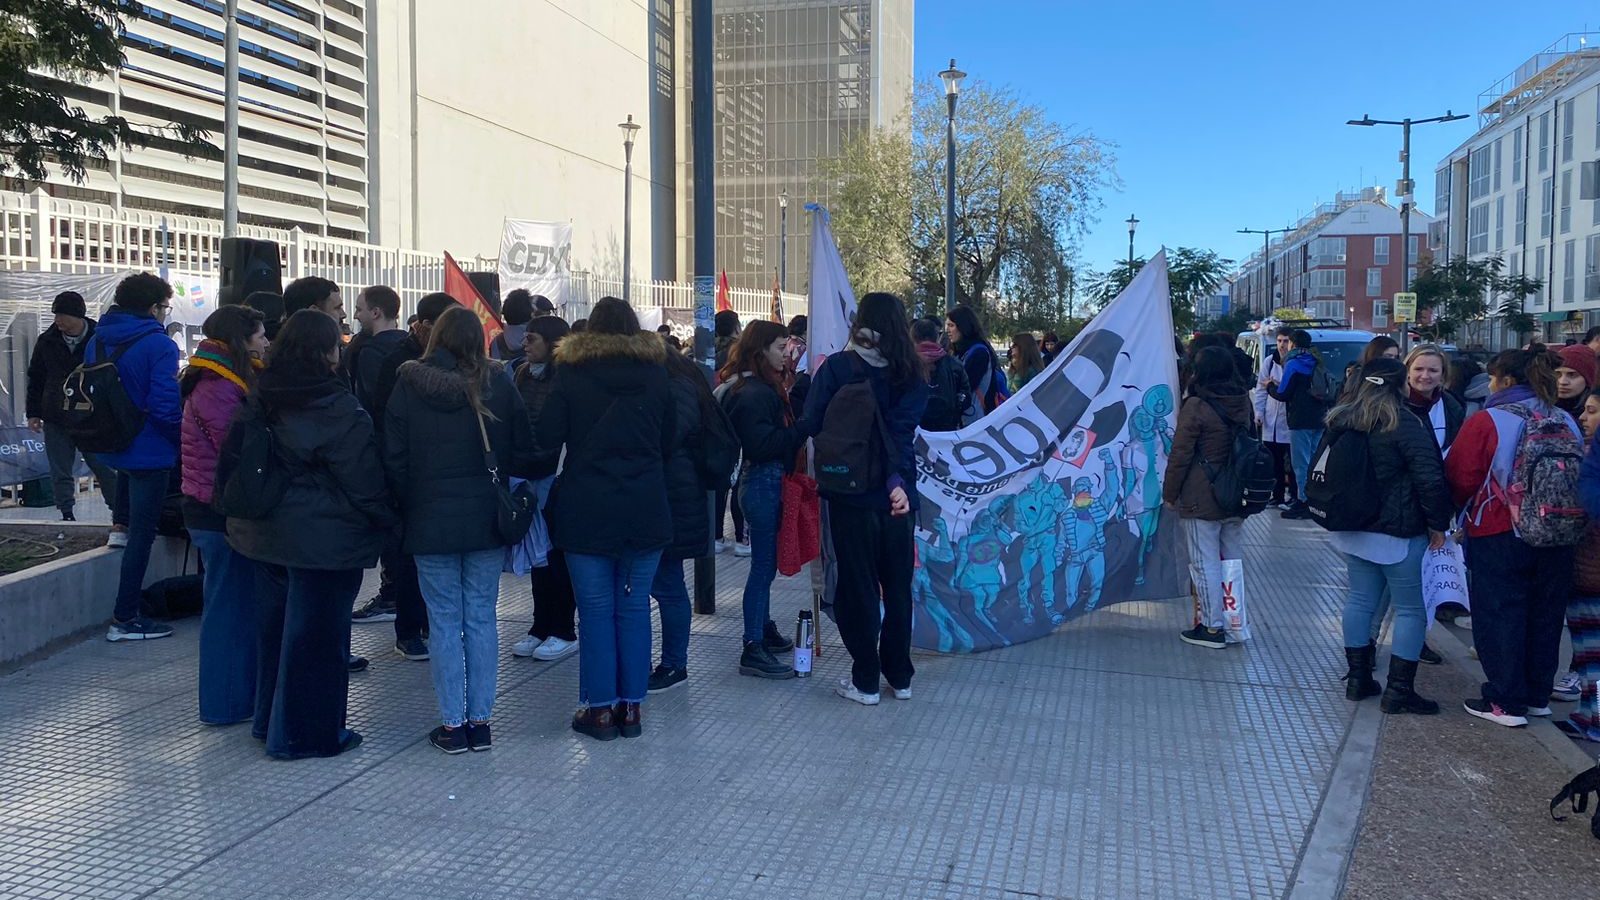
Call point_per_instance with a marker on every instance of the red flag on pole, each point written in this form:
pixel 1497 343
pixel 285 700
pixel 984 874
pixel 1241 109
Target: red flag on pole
pixel 457 285
pixel 723 304
pixel 777 300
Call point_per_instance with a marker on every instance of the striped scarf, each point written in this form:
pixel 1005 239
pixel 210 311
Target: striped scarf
pixel 212 356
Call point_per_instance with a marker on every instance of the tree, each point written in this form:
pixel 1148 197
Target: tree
pixel 1233 321
pixel 1464 291
pixel 1103 287
pixel 1026 188
pixel 1192 276
pixel 46 48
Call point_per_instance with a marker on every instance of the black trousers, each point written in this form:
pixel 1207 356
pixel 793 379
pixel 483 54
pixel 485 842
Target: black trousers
pixel 302 668
pixel 874 554
pixel 1283 486
pixel 1519 605
pixel 731 495
pixel 398 585
pixel 554 606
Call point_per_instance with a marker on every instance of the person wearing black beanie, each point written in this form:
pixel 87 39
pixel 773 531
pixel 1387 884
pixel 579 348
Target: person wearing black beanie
pixel 55 354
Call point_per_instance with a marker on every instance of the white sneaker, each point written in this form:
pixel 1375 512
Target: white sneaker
pixel 1464 622
pixel 117 539
pixel 741 549
pixel 722 546
pixel 901 693
pixel 526 646
pixel 847 690
pixel 1542 712
pixel 1568 687
pixel 555 648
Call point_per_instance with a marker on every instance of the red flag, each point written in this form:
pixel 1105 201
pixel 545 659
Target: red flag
pixel 723 304
pixel 777 300
pixel 457 285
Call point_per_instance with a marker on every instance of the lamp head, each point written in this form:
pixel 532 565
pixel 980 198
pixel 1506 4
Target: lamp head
pixel 629 129
pixel 952 79
pixel 1365 120
pixel 783 199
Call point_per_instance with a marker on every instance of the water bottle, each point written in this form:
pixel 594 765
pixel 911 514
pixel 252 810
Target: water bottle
pixel 804 634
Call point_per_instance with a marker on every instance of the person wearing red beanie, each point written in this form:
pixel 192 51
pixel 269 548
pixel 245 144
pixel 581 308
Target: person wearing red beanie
pixel 1575 377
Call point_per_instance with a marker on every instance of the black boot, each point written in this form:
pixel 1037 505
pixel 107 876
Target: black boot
pixel 1400 696
pixel 774 640
pixel 758 661
pixel 1358 683
pixel 1430 656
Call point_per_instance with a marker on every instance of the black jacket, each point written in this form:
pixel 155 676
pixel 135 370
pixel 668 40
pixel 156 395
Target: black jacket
pixel 1304 410
pixel 433 453
pixel 535 390
pixel 686 494
pixel 388 376
pixel 1455 414
pixel 1414 495
pixel 1204 439
pixel 613 411
pixel 756 411
pixel 364 360
pixel 48 369
pixel 336 513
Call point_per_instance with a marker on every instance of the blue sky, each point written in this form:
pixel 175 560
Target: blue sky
pixel 1231 115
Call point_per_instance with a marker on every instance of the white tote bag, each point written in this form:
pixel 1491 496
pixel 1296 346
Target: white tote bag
pixel 1235 621
pixel 1444 577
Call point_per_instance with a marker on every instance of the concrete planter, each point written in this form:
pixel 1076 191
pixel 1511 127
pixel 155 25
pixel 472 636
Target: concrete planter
pixel 48 605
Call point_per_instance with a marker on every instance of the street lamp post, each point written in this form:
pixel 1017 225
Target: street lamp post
pixel 783 240
pixel 1406 191
pixel 629 129
pixel 952 87
pixel 230 122
pixel 1133 222
pixel 1266 261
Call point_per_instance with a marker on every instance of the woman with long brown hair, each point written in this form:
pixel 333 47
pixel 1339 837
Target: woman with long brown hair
pixel 1026 361
pixel 446 406
pixel 753 394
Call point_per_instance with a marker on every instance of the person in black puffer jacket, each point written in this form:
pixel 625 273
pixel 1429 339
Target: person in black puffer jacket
pixel 611 407
pixel 753 395
pixel 311 550
pixel 1414 512
pixel 444 407
pixel 553 634
pixel 689 496
pixel 57 352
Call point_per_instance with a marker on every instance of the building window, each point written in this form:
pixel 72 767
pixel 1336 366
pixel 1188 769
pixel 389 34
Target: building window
pixel 1327 309
pixel 1569 268
pixel 1441 193
pixel 1380 250
pixel 1327 283
pixel 1544 142
pixel 1516 156
pixel 1375 282
pixel 1478 229
pixel 1411 248
pixel 1546 205
pixel 1514 264
pixel 1566 202
pixel 1539 274
pixel 1327 252
pixel 1566 132
pixel 1380 314
pixel 1499 224
pixel 1478 173
pixel 1519 213
pixel 1591 271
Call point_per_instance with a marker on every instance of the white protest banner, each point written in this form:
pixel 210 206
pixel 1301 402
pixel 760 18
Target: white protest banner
pixel 1050 506
pixel 537 257
pixel 1444 578
pixel 831 304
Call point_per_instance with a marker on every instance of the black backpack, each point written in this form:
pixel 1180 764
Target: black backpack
pixel 96 409
pixel 716 441
pixel 1341 485
pixel 947 399
pixel 251 477
pixel 1244 486
pixel 852 447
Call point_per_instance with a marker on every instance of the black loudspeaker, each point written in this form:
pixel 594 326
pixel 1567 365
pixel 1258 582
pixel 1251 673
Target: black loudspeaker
pixel 488 285
pixel 249 265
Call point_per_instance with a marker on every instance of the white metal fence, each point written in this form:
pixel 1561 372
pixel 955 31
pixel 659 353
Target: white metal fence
pixel 48 234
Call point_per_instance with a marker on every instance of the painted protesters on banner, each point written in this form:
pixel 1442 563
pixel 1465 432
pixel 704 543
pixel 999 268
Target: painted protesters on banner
pixel 148 370
pixel 553 634
pixel 221 373
pixel 311 550
pixel 937 550
pixel 1035 514
pixel 1085 534
pixel 980 558
pixel 1143 458
pixel 55 354
pixel 872 532
pixel 753 395
pixel 1414 512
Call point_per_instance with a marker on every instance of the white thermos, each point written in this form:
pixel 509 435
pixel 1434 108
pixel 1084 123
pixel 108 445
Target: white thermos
pixel 805 633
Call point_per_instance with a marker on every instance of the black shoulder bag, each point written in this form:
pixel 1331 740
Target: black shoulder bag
pixel 514 509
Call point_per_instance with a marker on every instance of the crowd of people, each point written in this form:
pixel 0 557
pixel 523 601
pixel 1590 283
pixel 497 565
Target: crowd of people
pixel 1421 449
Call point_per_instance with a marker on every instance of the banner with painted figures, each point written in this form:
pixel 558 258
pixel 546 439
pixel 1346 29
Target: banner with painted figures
pixel 1050 507
pixel 537 256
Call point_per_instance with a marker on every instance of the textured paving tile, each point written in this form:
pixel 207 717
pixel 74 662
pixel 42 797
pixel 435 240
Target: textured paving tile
pixel 1108 760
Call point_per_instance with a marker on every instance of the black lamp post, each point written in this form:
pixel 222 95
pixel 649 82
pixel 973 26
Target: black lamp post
pixel 952 88
pixel 629 129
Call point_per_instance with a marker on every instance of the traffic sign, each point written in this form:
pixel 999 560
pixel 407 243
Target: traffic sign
pixel 1405 307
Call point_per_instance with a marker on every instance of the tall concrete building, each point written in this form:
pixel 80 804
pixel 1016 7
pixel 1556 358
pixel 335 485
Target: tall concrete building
pixel 795 80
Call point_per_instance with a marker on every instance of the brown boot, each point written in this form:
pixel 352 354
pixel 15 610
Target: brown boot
pixel 627 716
pixel 596 722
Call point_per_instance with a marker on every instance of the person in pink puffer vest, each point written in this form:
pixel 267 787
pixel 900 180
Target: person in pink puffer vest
pixel 220 373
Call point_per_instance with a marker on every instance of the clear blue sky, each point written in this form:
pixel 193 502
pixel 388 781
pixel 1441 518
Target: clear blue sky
pixel 1230 114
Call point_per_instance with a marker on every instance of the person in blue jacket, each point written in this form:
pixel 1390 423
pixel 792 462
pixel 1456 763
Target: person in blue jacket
pixel 1305 392
pixel 148 370
pixel 872 531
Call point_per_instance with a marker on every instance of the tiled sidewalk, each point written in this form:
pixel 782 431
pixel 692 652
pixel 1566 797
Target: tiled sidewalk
pixel 1108 760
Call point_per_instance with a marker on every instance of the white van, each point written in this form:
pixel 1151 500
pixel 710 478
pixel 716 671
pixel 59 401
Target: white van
pixel 1336 345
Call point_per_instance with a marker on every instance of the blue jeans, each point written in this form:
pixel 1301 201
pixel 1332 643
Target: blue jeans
pixel 227 631
pixel 146 491
pixel 461 591
pixel 1403 582
pixel 672 598
pixel 1302 445
pixel 613 625
pixel 761 496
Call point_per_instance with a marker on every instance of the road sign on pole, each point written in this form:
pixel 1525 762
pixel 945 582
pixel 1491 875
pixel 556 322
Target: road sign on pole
pixel 1405 307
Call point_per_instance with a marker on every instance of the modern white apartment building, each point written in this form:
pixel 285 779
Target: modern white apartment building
pixel 1526 185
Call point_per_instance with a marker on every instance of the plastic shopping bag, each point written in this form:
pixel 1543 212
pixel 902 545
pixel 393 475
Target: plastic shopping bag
pixel 1235 621
pixel 1444 577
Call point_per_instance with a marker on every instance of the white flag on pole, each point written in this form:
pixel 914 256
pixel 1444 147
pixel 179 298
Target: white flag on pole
pixel 831 304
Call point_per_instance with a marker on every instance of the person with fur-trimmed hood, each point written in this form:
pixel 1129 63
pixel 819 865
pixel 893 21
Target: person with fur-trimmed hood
pixel 445 406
